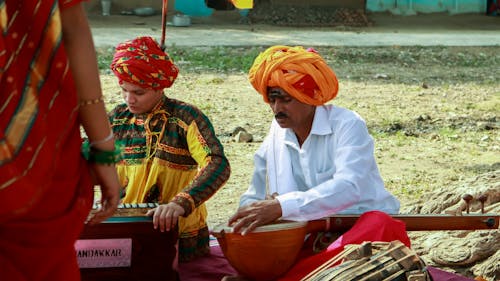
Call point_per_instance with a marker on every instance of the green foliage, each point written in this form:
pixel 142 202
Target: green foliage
pixel 415 56
pixel 398 64
pixel 104 58
pixel 219 59
pixel 200 59
pixel 449 133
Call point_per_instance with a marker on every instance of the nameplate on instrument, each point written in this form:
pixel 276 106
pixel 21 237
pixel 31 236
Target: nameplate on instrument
pixel 101 253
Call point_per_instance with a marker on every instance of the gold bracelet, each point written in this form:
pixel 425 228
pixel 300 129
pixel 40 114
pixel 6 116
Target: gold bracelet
pixel 91 102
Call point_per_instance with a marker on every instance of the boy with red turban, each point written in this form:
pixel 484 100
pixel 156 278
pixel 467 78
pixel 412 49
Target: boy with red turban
pixel 172 155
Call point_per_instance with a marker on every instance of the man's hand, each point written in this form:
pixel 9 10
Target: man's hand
pixel 254 215
pixel 166 216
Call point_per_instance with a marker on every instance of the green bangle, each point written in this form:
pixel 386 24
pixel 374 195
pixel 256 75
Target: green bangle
pixel 97 156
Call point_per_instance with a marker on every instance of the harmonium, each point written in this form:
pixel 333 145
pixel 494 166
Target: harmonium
pixel 126 247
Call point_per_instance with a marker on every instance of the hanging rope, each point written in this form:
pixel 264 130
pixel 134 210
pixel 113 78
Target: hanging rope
pixel 163 24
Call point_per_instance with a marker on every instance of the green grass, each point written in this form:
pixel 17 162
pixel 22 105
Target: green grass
pixel 104 58
pixel 206 59
pixel 399 64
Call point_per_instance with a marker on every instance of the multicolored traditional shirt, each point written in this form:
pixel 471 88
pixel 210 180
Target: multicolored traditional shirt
pixel 172 154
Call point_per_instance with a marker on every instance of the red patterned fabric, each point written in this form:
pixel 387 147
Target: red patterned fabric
pixel 142 62
pixel 45 186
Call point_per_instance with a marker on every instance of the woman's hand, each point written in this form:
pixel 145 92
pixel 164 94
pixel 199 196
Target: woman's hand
pixel 107 178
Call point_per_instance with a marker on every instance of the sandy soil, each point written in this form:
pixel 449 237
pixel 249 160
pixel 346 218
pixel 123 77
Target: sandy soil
pixel 434 125
pixel 230 101
pixel 435 156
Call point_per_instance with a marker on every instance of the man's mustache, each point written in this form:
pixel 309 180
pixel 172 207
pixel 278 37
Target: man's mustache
pixel 280 115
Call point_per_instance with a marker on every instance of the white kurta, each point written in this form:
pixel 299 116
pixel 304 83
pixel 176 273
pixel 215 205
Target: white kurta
pixel 334 172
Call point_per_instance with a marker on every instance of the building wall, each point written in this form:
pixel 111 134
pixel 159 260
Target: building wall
pixel 427 6
pixel 352 4
pixel 394 6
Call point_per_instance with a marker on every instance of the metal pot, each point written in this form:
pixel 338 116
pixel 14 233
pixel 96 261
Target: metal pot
pixel 144 12
pixel 181 20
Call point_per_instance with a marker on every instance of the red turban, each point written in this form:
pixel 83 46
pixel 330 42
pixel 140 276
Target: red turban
pixel 303 74
pixel 142 62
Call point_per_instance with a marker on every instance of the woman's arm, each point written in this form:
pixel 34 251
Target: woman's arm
pixel 83 63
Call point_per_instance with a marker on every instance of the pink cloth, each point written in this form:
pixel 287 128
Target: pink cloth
pixel 209 268
pixel 441 275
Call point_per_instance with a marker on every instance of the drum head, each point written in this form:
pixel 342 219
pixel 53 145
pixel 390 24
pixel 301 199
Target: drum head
pixel 275 226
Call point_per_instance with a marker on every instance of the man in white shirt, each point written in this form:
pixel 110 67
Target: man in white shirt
pixel 317 159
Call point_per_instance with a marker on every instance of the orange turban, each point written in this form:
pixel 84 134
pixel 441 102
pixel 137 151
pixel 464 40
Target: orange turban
pixel 303 74
pixel 142 62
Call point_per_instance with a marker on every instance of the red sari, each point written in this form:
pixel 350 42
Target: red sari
pixel 45 187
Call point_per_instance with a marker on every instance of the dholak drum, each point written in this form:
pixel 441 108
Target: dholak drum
pixel 267 252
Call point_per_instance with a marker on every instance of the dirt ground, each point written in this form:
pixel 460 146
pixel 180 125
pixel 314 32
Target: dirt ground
pixel 224 28
pixel 434 125
pixel 434 22
pixel 430 138
pixel 426 138
pixel 431 158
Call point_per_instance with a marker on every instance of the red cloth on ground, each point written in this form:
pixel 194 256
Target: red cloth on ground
pixel 215 266
pixel 45 186
pixel 371 226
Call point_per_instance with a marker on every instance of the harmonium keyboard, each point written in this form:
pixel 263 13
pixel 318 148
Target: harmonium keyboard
pixel 126 247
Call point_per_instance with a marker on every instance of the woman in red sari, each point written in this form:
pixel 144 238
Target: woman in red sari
pixel 49 87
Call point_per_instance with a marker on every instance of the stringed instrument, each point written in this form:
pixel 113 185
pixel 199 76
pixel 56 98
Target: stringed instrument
pixel 271 250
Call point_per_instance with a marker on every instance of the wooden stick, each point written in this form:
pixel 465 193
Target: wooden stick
pixel 327 264
pixel 163 25
pixel 342 223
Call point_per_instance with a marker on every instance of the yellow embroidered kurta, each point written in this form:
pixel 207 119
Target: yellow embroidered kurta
pixel 172 154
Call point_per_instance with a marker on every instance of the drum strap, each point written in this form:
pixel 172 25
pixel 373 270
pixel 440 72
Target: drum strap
pixel 323 239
